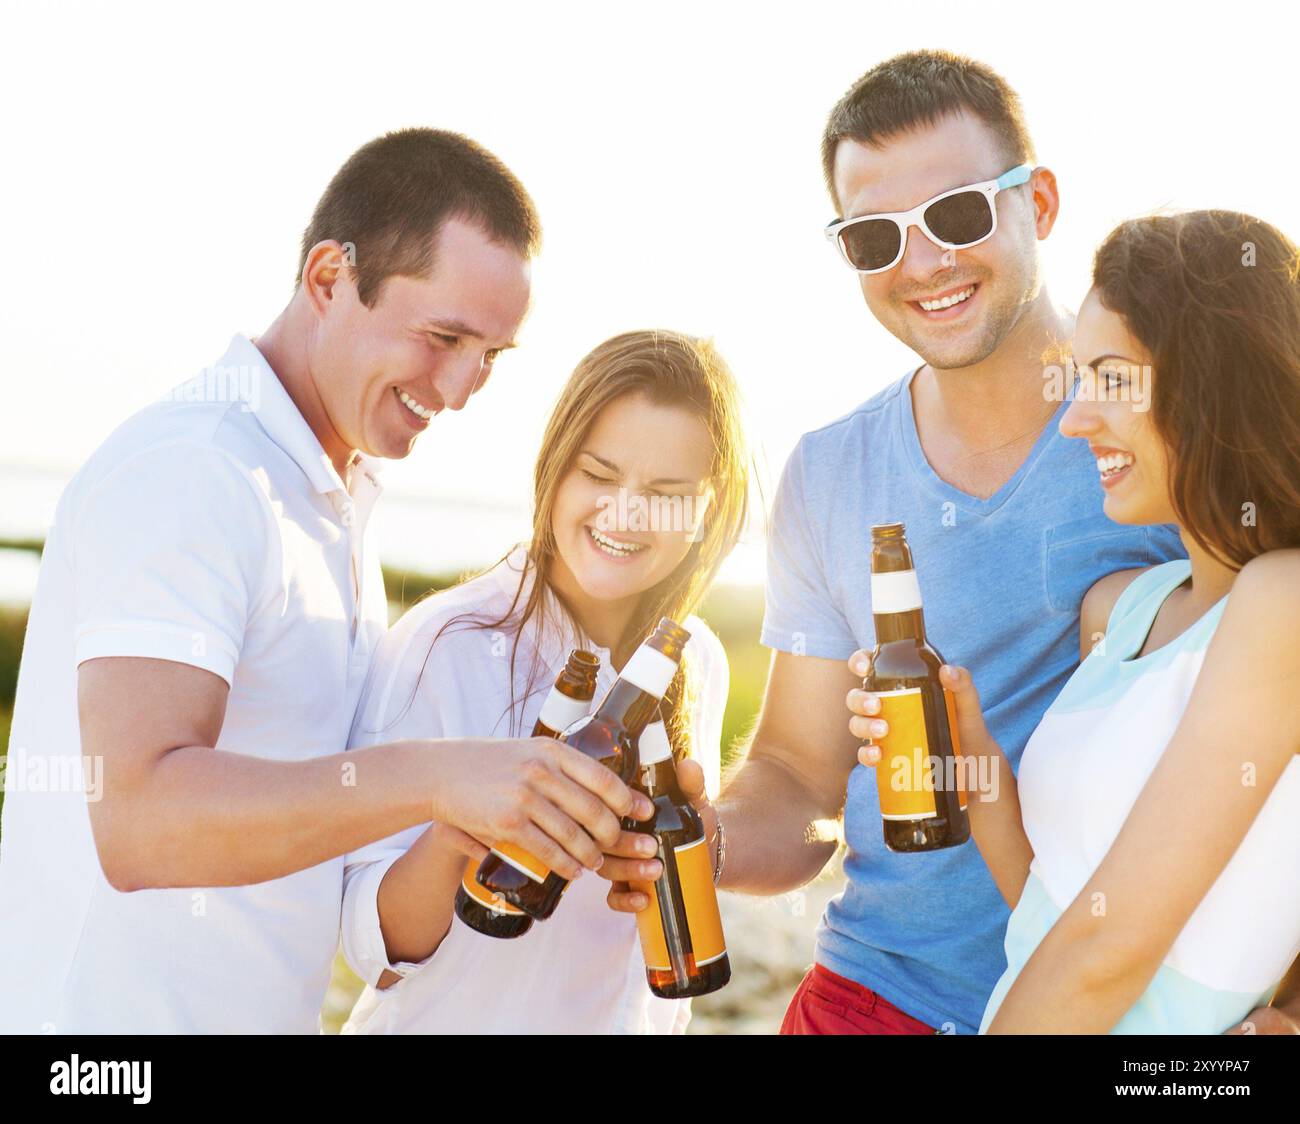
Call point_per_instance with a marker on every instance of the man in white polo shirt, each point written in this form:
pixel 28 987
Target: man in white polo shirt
pixel 203 624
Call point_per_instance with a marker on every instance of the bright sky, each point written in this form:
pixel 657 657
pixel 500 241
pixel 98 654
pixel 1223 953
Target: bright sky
pixel 161 162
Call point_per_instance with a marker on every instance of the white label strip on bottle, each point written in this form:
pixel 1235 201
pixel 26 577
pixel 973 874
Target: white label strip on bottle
pixel 560 711
pixel 650 670
pixel 895 593
pixel 653 746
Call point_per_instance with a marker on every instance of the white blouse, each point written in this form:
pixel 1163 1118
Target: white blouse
pixel 579 972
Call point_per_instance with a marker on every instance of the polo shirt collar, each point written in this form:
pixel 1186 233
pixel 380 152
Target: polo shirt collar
pixel 286 426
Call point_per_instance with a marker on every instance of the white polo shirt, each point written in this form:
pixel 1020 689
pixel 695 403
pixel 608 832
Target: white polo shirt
pixel 209 529
pixel 579 972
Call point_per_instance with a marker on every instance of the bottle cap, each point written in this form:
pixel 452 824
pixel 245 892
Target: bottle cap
pixel 671 630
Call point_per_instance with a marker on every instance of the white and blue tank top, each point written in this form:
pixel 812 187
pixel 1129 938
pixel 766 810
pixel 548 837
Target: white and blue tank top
pixel 1081 773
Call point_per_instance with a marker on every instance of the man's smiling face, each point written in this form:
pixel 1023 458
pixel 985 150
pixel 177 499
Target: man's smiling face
pixel 993 282
pixel 427 344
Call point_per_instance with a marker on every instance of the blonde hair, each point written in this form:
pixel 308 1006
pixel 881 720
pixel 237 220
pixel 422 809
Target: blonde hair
pixel 667 368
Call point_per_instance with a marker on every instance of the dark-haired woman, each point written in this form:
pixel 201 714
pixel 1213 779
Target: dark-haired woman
pixel 1150 845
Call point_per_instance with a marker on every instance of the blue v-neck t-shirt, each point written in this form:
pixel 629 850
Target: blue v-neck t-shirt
pixel 1002 580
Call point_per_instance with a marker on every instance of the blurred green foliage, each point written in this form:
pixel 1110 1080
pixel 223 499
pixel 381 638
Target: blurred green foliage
pixel 13 625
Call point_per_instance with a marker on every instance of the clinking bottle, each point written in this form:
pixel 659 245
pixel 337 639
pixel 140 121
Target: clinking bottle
pixel 681 929
pixel 608 736
pixel 919 776
pixel 569 700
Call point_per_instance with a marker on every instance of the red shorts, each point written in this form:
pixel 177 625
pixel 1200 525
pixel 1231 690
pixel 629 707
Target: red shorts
pixel 829 1004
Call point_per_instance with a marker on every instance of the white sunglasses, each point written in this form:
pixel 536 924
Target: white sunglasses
pixel 954 220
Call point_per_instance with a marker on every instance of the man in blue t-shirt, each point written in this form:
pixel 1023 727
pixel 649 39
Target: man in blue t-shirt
pixel 1004 516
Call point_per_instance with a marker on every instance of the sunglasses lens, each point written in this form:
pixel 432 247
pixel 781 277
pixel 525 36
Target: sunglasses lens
pixel 870 245
pixel 961 219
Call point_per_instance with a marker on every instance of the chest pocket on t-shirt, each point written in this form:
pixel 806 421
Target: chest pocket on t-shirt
pixel 1079 552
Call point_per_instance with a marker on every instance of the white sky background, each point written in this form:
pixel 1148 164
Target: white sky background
pixel 161 161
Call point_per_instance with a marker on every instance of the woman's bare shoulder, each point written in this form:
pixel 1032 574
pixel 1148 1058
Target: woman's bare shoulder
pixel 1099 602
pixel 1267 592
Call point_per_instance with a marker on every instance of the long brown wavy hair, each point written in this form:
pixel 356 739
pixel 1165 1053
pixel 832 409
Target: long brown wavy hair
pixel 668 369
pixel 1214 296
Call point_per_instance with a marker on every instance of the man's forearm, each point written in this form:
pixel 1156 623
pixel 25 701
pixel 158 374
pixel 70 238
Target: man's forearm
pixel 779 835
pixel 208 817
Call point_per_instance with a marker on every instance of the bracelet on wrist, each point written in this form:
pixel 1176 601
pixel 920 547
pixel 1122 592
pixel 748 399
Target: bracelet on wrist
pixel 718 861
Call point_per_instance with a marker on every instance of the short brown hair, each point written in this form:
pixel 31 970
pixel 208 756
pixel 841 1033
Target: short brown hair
pixel 920 88
pixel 1214 296
pixel 395 193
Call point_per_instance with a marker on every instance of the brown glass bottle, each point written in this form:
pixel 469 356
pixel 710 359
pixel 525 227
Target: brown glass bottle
pixel 681 929
pixel 608 736
pixel 919 776
pixel 569 700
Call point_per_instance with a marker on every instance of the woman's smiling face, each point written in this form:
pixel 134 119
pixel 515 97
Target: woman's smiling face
pixel 1111 411
pixel 626 512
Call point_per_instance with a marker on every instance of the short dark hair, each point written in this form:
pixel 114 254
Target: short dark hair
pixel 920 88
pixel 1214 296
pixel 394 194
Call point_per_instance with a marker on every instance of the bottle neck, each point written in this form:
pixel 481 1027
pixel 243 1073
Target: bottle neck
pixel 660 779
pixel 577 681
pixel 581 691
pixel 559 711
pixel 909 625
pixel 629 706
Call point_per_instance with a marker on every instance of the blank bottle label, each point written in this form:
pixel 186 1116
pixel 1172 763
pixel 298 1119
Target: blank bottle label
pixel 896 592
pixel 702 916
pixel 560 712
pixel 904 776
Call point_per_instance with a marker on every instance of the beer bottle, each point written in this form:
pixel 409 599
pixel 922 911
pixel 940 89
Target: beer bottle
pixel 918 776
pixel 681 929
pixel 569 700
pixel 608 736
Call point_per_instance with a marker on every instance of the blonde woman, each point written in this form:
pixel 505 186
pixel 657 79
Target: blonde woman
pixel 640 492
